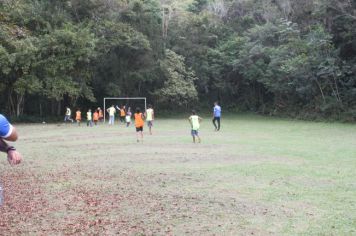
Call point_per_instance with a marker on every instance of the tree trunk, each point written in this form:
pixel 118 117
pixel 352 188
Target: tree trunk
pixel 59 108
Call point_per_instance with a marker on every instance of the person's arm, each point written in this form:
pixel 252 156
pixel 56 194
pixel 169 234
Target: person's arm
pixel 153 114
pixel 13 156
pixel 200 119
pixel 13 136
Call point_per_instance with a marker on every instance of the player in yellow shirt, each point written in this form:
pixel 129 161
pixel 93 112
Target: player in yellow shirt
pixel 150 116
pixel 111 110
pixel 195 121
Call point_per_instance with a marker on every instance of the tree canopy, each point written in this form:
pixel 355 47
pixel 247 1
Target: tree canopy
pixel 291 57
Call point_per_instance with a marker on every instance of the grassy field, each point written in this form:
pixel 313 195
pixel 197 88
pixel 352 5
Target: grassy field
pixel 257 176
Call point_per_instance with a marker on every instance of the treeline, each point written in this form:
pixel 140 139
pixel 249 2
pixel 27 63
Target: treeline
pixel 291 57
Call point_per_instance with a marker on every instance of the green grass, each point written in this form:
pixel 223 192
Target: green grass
pixel 257 175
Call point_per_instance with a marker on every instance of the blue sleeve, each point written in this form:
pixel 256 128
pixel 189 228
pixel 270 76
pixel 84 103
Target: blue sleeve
pixel 5 127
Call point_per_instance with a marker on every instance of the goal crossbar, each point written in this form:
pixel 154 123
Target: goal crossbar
pixel 122 98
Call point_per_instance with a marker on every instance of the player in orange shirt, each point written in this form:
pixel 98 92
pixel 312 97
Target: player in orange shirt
pixel 139 122
pixel 78 116
pixel 96 117
pixel 101 115
pixel 122 114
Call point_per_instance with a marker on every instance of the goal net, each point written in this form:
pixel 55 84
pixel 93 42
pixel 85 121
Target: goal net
pixel 132 102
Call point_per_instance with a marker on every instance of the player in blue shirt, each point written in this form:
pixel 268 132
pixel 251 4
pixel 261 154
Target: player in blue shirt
pixel 216 116
pixel 8 132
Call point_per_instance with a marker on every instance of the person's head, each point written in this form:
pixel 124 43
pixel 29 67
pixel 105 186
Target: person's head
pixel 194 112
pixel 138 110
pixel 112 105
pixel 89 110
pixel 99 109
pixel 149 106
pixel 129 108
pixel 216 103
pixel 78 109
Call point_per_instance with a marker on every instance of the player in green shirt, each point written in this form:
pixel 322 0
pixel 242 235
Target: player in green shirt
pixel 195 121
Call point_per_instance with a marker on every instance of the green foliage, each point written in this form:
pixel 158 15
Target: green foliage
pixel 178 89
pixel 294 57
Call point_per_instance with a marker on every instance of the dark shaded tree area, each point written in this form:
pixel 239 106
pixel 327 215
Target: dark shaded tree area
pixel 290 57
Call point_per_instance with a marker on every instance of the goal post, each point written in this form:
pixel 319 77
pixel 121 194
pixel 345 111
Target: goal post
pixel 120 99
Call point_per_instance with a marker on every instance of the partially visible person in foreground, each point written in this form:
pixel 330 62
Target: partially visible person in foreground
pixel 139 117
pixel 8 132
pixel 195 121
pixel 150 116
pixel 216 116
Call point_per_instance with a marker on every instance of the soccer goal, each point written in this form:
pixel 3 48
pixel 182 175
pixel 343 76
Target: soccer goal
pixel 133 102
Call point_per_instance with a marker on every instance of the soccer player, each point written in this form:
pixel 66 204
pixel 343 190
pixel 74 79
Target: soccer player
pixel 68 115
pixel 101 115
pixel 128 117
pixel 96 117
pixel 111 110
pixel 89 118
pixel 139 117
pixel 150 117
pixel 216 116
pixel 122 114
pixel 78 116
pixel 194 121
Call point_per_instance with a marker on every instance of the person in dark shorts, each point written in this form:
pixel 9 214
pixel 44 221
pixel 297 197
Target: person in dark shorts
pixel 139 123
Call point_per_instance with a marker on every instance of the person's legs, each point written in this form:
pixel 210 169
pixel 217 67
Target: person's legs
pixel 141 135
pixel 193 135
pixel 218 119
pixel 214 119
pixel 137 136
pixel 199 140
pixel 111 120
pixel 150 126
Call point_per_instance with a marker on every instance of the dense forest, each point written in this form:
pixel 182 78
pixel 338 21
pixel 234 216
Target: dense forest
pixel 274 57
